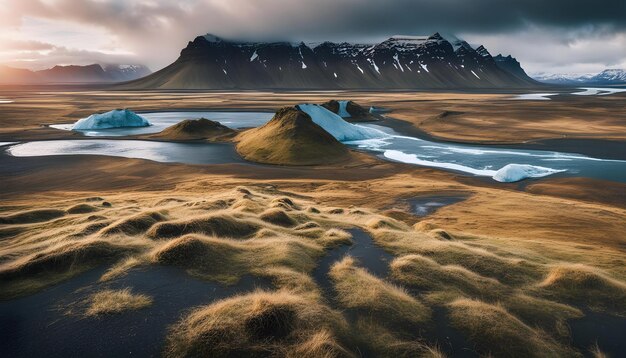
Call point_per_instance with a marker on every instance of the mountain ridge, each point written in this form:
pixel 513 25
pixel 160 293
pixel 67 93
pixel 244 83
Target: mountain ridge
pixel 94 73
pixel 400 62
pixel 611 76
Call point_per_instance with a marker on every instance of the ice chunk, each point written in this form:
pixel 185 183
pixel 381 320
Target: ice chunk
pixel 117 118
pixel 516 172
pixel 343 112
pixel 337 127
pixel 507 174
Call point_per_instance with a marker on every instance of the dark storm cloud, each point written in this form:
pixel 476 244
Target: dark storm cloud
pixel 140 25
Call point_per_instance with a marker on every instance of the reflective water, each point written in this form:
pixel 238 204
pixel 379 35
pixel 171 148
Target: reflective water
pixel 162 120
pixel 485 160
pixel 191 153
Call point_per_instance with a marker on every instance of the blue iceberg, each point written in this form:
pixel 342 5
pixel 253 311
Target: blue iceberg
pixel 337 127
pixel 117 118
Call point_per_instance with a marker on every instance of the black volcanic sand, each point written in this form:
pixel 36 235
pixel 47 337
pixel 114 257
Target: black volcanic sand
pixel 39 325
pixel 49 323
pixel 376 260
pixel 597 148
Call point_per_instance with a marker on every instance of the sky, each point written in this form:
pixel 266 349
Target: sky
pixel 552 36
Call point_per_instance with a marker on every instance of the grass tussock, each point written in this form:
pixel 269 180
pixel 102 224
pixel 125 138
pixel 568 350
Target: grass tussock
pixel 226 260
pixel 121 268
pixel 277 217
pixel 356 288
pixel 335 237
pixel 212 225
pixel 380 341
pixel 44 268
pixel 116 301
pixel 134 225
pixel 259 324
pixel 378 223
pixel 425 273
pixel 507 270
pixel 284 203
pixel 81 209
pixel 32 216
pixel 585 285
pixel 495 331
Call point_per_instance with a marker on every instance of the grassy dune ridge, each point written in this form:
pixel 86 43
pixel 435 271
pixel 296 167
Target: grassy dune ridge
pixel 498 293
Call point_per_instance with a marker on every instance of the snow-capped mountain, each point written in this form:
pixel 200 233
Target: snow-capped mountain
pixel 401 62
pixel 74 74
pixel 606 77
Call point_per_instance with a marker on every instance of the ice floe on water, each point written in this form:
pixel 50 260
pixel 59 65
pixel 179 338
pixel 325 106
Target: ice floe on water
pixel 501 164
pixel 337 127
pixel 586 91
pixel 507 174
pixel 594 91
pixel 117 118
pixel 535 96
pixel 516 172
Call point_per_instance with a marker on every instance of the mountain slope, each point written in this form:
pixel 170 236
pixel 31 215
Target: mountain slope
pixel 74 74
pixel 607 77
pixel 400 62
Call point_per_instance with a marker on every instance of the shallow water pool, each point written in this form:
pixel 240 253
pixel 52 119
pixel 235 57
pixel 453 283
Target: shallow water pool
pixel 162 120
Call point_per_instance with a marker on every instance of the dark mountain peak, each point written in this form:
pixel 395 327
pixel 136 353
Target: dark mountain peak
pixel 436 37
pixel 483 51
pixel 401 61
pixel 211 38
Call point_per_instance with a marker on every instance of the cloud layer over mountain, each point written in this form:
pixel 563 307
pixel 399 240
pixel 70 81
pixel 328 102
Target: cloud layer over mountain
pixel 581 35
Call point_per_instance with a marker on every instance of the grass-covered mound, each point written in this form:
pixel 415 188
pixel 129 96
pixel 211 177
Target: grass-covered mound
pixel 291 138
pixel 196 129
pixel 212 225
pixel 40 269
pixel 260 324
pixel 32 216
pixel 356 288
pixel 226 260
pixel 496 332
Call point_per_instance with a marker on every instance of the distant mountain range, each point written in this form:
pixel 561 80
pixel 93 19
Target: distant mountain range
pixel 605 78
pixel 73 74
pixel 400 62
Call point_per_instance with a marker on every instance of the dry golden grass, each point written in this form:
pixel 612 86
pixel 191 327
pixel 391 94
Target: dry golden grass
pixel 215 229
pixel 425 273
pixel 115 301
pixel 226 260
pixel 214 225
pixel 356 288
pixel 495 331
pixel 260 324
pixel 582 284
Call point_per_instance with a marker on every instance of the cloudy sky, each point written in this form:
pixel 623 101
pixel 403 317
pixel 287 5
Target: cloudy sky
pixel 562 36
